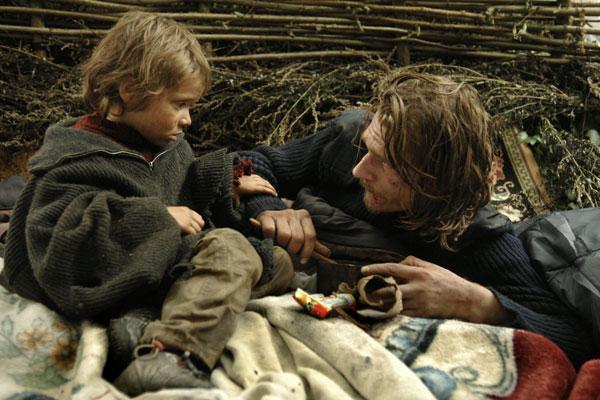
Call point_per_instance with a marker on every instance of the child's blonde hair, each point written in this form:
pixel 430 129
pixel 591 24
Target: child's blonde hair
pixel 150 52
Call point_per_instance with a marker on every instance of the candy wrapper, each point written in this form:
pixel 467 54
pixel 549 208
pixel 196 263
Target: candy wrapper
pixel 321 306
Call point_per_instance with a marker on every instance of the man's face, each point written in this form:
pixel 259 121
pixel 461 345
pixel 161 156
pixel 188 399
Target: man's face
pixel 164 118
pixel 385 190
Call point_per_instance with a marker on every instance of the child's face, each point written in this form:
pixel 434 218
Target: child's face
pixel 165 116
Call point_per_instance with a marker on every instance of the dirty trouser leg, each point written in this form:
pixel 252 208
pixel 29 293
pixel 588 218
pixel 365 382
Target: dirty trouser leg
pixel 198 314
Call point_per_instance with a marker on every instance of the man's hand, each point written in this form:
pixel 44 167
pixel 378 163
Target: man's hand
pixel 188 220
pixel 431 291
pixel 294 230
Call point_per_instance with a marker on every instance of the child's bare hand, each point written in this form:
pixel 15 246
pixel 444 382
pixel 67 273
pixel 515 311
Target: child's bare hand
pixel 254 184
pixel 251 184
pixel 188 220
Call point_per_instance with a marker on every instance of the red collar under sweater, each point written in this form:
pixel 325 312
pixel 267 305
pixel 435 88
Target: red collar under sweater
pixel 119 132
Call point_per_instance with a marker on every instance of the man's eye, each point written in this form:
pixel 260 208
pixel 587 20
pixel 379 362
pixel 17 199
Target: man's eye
pixel 381 160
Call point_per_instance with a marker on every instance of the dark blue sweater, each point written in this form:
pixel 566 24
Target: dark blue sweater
pixel 489 253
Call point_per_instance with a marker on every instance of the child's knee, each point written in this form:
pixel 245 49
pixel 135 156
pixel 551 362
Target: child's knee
pixel 240 250
pixel 228 235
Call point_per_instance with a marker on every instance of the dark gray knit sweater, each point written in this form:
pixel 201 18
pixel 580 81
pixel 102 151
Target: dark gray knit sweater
pixel 490 254
pixel 91 233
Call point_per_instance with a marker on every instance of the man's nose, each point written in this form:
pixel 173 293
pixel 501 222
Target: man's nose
pixel 359 170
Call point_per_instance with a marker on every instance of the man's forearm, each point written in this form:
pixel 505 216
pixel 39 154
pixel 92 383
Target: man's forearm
pixel 486 309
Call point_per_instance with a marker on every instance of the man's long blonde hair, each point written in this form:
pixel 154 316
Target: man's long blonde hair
pixel 150 52
pixel 438 137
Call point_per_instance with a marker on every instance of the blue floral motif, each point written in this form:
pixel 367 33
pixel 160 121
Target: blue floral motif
pixel 437 381
pixel 30 396
pixel 411 338
pixel 488 370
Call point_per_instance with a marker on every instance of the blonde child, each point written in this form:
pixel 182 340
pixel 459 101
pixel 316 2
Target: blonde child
pixel 117 211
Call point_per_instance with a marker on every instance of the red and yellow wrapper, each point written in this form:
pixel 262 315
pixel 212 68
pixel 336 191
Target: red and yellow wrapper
pixel 321 306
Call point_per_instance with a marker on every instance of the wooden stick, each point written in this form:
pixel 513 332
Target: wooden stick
pixel 317 256
pixel 57 13
pixel 296 55
pixel 102 5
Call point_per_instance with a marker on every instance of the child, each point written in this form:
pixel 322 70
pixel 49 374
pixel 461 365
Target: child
pixel 117 208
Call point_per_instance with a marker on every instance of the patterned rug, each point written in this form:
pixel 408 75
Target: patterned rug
pixel 518 188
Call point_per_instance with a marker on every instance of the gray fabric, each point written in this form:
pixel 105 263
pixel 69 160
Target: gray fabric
pixel 335 227
pixel 565 246
pixel 91 232
pixel 10 188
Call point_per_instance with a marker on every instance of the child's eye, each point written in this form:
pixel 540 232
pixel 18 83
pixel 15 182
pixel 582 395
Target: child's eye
pixel 181 104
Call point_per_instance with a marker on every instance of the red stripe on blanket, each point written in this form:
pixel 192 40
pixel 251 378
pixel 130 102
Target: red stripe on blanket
pixel 545 372
pixel 587 383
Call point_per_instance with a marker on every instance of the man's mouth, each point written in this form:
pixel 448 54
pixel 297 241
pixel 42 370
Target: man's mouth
pixel 368 189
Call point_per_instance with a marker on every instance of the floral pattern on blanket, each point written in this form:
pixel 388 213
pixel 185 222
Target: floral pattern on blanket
pixel 429 347
pixel 461 360
pixel 40 346
pixel 43 356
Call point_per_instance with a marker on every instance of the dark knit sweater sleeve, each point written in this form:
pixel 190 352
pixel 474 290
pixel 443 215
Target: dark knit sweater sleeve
pixel 288 168
pixel 91 250
pixel 301 162
pixel 504 267
pixel 88 238
pixel 211 181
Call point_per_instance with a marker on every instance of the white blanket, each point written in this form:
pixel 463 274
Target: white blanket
pixel 276 352
pixel 279 352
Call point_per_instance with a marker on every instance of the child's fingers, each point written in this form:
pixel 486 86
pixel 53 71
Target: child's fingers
pixel 268 189
pixel 188 220
pixel 197 218
pixel 254 184
pixel 265 183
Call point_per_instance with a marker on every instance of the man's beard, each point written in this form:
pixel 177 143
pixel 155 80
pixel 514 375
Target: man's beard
pixel 370 198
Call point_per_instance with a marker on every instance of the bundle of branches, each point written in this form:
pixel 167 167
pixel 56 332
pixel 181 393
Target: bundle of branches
pixel 251 103
pixel 34 92
pixel 277 104
pixel 499 29
pixel 570 164
pixel 272 105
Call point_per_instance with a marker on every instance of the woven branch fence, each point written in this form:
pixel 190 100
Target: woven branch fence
pixel 283 68
pixel 556 31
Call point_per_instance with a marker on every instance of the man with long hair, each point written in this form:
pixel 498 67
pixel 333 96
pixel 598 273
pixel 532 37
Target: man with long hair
pixel 420 177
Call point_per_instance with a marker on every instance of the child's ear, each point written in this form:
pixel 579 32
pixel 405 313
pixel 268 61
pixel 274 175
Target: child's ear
pixel 125 90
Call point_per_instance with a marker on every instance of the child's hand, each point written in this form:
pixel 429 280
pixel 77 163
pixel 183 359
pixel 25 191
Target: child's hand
pixel 252 184
pixel 188 220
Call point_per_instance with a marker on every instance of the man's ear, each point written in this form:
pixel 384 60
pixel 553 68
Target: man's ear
pixel 125 90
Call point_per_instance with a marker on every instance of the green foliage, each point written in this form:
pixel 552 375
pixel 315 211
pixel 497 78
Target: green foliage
pixel 594 137
pixel 556 107
pixel 524 137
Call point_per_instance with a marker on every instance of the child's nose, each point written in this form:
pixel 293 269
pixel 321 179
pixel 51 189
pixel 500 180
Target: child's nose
pixel 186 119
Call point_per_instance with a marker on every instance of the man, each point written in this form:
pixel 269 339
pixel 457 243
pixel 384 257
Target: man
pixel 420 179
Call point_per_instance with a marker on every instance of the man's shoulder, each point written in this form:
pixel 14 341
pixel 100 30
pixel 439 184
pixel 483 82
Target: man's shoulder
pixel 352 120
pixel 344 136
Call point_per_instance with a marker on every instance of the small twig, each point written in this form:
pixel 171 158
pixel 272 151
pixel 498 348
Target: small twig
pixel 31 55
pixel 297 55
